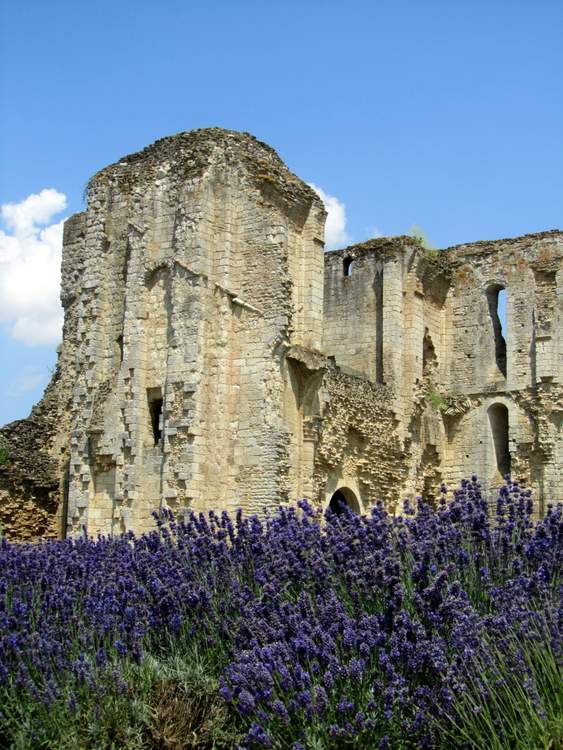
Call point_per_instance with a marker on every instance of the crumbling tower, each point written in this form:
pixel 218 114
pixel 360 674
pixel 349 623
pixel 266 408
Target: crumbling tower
pixel 196 265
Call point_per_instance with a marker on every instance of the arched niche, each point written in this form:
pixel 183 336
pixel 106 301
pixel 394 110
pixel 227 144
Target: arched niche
pixel 346 496
pixel 499 423
pixel 429 358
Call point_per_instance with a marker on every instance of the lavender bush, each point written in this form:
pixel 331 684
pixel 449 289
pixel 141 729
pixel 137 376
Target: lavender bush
pixel 434 629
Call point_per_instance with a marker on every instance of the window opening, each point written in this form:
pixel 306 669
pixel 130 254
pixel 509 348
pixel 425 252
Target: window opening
pixel 496 297
pixel 343 497
pixel 155 401
pixel 348 265
pixel 501 309
pixel 498 418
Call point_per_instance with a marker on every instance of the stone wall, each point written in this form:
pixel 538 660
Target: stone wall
pixel 468 396
pixel 200 260
pixel 214 356
pixel 515 393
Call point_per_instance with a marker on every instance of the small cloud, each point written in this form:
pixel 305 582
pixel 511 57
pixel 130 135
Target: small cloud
pixel 373 232
pixel 30 262
pixel 335 228
pixel 30 378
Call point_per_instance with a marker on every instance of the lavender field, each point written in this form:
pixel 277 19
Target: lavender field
pixel 439 628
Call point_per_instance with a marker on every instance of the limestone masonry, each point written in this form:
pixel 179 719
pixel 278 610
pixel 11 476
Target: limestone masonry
pixel 215 356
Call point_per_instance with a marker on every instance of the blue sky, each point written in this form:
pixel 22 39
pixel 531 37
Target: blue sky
pixel 445 115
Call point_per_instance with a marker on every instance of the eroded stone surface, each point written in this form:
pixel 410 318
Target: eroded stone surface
pixel 215 357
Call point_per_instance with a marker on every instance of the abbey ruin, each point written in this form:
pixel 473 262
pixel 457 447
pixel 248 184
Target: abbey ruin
pixel 215 356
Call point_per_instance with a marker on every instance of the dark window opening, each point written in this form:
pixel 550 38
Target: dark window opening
pixel 347 266
pixel 343 498
pixel 496 297
pixel 155 401
pixel 498 418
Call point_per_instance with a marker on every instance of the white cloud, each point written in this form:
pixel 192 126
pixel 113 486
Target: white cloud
pixel 373 232
pixel 335 228
pixel 30 378
pixel 30 263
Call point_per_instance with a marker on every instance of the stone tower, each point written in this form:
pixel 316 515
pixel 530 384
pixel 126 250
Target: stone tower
pixel 197 264
pixel 214 356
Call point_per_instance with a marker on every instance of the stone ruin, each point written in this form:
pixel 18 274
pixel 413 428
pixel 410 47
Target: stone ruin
pixel 214 356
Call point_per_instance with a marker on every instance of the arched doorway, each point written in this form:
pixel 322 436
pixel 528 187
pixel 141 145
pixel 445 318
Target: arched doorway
pixel 344 496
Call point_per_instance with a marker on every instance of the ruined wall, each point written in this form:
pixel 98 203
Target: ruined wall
pixel 359 447
pixel 384 321
pixel 29 479
pixel 343 433
pixel 214 356
pixel 353 307
pixel 467 395
pixel 507 382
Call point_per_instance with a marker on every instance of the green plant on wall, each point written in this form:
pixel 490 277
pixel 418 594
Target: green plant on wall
pixel 437 400
pixel 419 236
pixel 421 239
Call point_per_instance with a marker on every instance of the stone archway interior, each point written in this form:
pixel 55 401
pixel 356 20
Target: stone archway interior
pixel 344 496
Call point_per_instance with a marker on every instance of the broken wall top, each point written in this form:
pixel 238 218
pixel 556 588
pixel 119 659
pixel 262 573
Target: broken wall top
pixel 189 155
pixel 381 246
pixel 543 248
pixel 543 251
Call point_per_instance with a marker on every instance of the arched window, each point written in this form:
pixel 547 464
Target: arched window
pixel 496 298
pixel 344 496
pixel 347 266
pixel 498 419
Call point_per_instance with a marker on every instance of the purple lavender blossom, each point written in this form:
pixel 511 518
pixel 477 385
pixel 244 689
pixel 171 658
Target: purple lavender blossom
pixel 358 627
